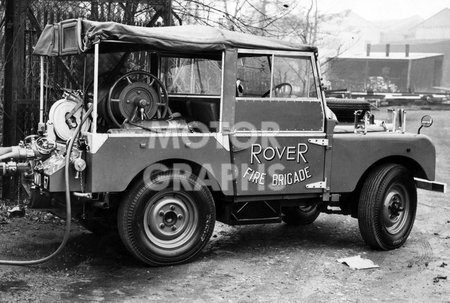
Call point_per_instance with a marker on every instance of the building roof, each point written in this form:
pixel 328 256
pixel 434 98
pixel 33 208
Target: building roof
pixel 440 19
pixel 392 56
pixel 75 36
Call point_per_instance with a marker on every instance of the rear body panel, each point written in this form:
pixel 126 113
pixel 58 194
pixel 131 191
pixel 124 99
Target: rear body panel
pixel 122 157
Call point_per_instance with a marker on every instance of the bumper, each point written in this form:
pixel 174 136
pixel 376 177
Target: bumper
pixel 431 185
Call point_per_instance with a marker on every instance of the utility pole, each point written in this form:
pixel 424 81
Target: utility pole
pixel 14 84
pixel 167 13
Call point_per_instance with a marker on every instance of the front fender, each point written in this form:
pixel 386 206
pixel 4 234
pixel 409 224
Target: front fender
pixel 354 154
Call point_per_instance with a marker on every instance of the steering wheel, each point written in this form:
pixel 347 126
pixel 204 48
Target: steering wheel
pixel 277 89
pixel 137 95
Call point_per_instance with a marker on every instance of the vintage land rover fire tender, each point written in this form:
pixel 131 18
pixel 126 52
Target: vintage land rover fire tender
pixel 177 127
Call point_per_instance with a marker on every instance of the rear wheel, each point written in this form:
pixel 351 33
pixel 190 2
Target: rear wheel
pixel 169 225
pixel 300 215
pixel 387 207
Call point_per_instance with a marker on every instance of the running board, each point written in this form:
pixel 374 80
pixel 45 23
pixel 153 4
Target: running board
pixel 431 185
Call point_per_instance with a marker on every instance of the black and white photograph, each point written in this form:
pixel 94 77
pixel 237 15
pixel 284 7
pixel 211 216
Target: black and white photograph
pixel 224 151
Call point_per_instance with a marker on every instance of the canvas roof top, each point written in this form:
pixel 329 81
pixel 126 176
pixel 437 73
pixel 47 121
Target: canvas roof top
pixel 76 36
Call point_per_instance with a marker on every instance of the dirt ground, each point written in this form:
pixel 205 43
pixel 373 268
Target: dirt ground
pixel 261 263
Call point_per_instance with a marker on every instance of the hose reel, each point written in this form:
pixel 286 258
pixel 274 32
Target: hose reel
pixel 64 127
pixel 136 96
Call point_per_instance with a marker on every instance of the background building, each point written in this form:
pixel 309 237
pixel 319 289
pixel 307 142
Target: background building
pixel 412 55
pixel 387 72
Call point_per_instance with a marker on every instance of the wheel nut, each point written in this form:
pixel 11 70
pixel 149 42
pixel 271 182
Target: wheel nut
pixel 161 213
pixel 162 225
pixel 174 227
pixel 172 207
pixel 180 217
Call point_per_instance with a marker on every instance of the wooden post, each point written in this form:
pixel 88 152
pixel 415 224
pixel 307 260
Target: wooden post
pixel 14 85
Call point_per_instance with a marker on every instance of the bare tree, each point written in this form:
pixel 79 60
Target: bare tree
pixel 240 15
pixel 296 21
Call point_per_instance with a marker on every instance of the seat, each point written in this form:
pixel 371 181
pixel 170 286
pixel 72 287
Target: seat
pixel 206 112
pixel 180 105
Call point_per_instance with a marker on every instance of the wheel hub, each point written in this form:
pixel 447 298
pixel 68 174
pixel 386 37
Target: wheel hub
pixel 396 207
pixel 167 219
pixel 395 211
pixel 170 220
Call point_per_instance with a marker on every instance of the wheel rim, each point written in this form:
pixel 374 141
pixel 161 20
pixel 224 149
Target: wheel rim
pixel 170 220
pixel 396 209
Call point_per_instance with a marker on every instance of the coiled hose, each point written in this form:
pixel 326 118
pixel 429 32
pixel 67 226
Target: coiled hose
pixel 68 204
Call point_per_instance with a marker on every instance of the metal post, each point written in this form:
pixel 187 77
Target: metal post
pixel 41 93
pixel 394 120
pixel 222 95
pixel 404 121
pixel 95 105
pixel 271 76
pixel 366 75
pixel 408 77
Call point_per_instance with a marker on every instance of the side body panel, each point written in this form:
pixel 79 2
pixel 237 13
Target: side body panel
pixel 354 154
pixel 279 165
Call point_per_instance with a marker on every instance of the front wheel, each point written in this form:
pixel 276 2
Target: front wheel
pixel 166 220
pixel 387 207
